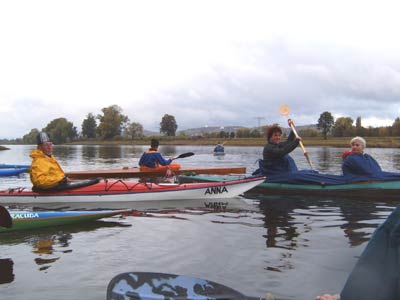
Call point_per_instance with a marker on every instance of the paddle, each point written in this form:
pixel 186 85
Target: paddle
pixel 5 218
pixel 183 155
pixel 284 111
pixel 159 286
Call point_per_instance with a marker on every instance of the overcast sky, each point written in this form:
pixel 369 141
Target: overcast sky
pixel 208 63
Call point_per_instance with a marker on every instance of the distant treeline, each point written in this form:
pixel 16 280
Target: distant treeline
pixel 112 125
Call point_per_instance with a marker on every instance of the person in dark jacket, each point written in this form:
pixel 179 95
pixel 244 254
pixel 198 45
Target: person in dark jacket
pixel 219 148
pixel 276 153
pixel 360 166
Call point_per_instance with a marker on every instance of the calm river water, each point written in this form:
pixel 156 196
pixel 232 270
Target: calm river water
pixel 293 247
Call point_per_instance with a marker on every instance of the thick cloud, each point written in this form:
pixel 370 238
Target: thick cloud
pixel 208 63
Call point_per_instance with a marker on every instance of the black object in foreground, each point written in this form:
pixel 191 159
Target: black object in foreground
pixel 5 218
pixel 160 286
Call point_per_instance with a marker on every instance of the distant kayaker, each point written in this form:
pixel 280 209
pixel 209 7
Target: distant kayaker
pixel 219 148
pixel 45 172
pixel 152 159
pixel 276 153
pixel 360 166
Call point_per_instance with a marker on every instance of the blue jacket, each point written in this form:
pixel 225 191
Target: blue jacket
pixel 363 167
pixel 152 159
pixel 219 148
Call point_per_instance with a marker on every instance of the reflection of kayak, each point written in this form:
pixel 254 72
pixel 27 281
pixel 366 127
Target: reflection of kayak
pixel 137 173
pixel 26 220
pixel 219 153
pixel 370 189
pixel 126 194
pixel 12 170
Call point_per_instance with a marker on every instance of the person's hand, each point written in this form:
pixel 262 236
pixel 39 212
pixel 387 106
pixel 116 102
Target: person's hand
pixel 290 122
pixel 328 297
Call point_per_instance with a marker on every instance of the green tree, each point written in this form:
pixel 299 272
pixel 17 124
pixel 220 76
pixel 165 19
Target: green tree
pixel 243 133
pixel 325 123
pixel 255 133
pixel 112 122
pixel 89 126
pixel 168 125
pixel 134 130
pixel 30 138
pixel 359 129
pixel 343 127
pixel 61 131
pixel 396 127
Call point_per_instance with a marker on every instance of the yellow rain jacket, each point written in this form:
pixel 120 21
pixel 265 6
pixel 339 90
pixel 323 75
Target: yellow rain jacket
pixel 45 172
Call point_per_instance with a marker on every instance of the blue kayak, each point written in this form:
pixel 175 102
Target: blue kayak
pixel 13 170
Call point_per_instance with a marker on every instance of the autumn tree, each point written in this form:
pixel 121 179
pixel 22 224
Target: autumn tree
pixel 89 126
pixel 359 129
pixel 112 122
pixel 168 125
pixel 134 130
pixel 343 127
pixel 61 131
pixel 396 127
pixel 325 123
pixel 30 138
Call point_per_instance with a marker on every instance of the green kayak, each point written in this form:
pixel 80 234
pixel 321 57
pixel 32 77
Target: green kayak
pixel 367 189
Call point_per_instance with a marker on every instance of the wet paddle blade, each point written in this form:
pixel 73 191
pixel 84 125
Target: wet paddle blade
pixel 183 155
pixel 159 286
pixel 284 110
pixel 5 218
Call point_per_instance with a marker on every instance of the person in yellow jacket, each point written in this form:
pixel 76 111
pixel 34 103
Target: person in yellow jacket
pixel 45 172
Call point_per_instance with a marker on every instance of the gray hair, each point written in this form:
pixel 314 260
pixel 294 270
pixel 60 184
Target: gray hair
pixel 360 139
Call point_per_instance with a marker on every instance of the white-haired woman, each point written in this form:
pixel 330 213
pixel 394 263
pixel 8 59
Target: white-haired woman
pixel 360 166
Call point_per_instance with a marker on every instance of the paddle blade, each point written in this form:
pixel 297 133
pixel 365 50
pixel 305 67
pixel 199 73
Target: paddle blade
pixel 284 110
pixel 159 286
pixel 5 218
pixel 183 155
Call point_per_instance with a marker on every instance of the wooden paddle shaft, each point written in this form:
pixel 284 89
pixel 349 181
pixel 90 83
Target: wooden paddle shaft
pixel 301 145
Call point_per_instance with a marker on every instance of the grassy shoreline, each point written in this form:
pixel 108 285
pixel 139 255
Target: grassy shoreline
pixel 372 142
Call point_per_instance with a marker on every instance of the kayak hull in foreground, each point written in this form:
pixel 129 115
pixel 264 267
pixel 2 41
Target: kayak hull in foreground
pixel 128 194
pixel 28 220
pixel 375 189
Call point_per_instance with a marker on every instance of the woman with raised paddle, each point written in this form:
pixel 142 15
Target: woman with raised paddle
pixel 279 167
pixel 276 153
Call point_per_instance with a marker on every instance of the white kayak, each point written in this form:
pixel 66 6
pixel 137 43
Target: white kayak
pixel 127 194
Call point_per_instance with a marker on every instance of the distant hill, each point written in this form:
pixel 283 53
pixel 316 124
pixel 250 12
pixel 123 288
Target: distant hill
pixel 210 129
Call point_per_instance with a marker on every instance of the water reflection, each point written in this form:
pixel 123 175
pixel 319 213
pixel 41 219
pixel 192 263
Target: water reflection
pixel 89 153
pixel 48 244
pixel 110 154
pixel 281 229
pixel 6 270
pixel 287 218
